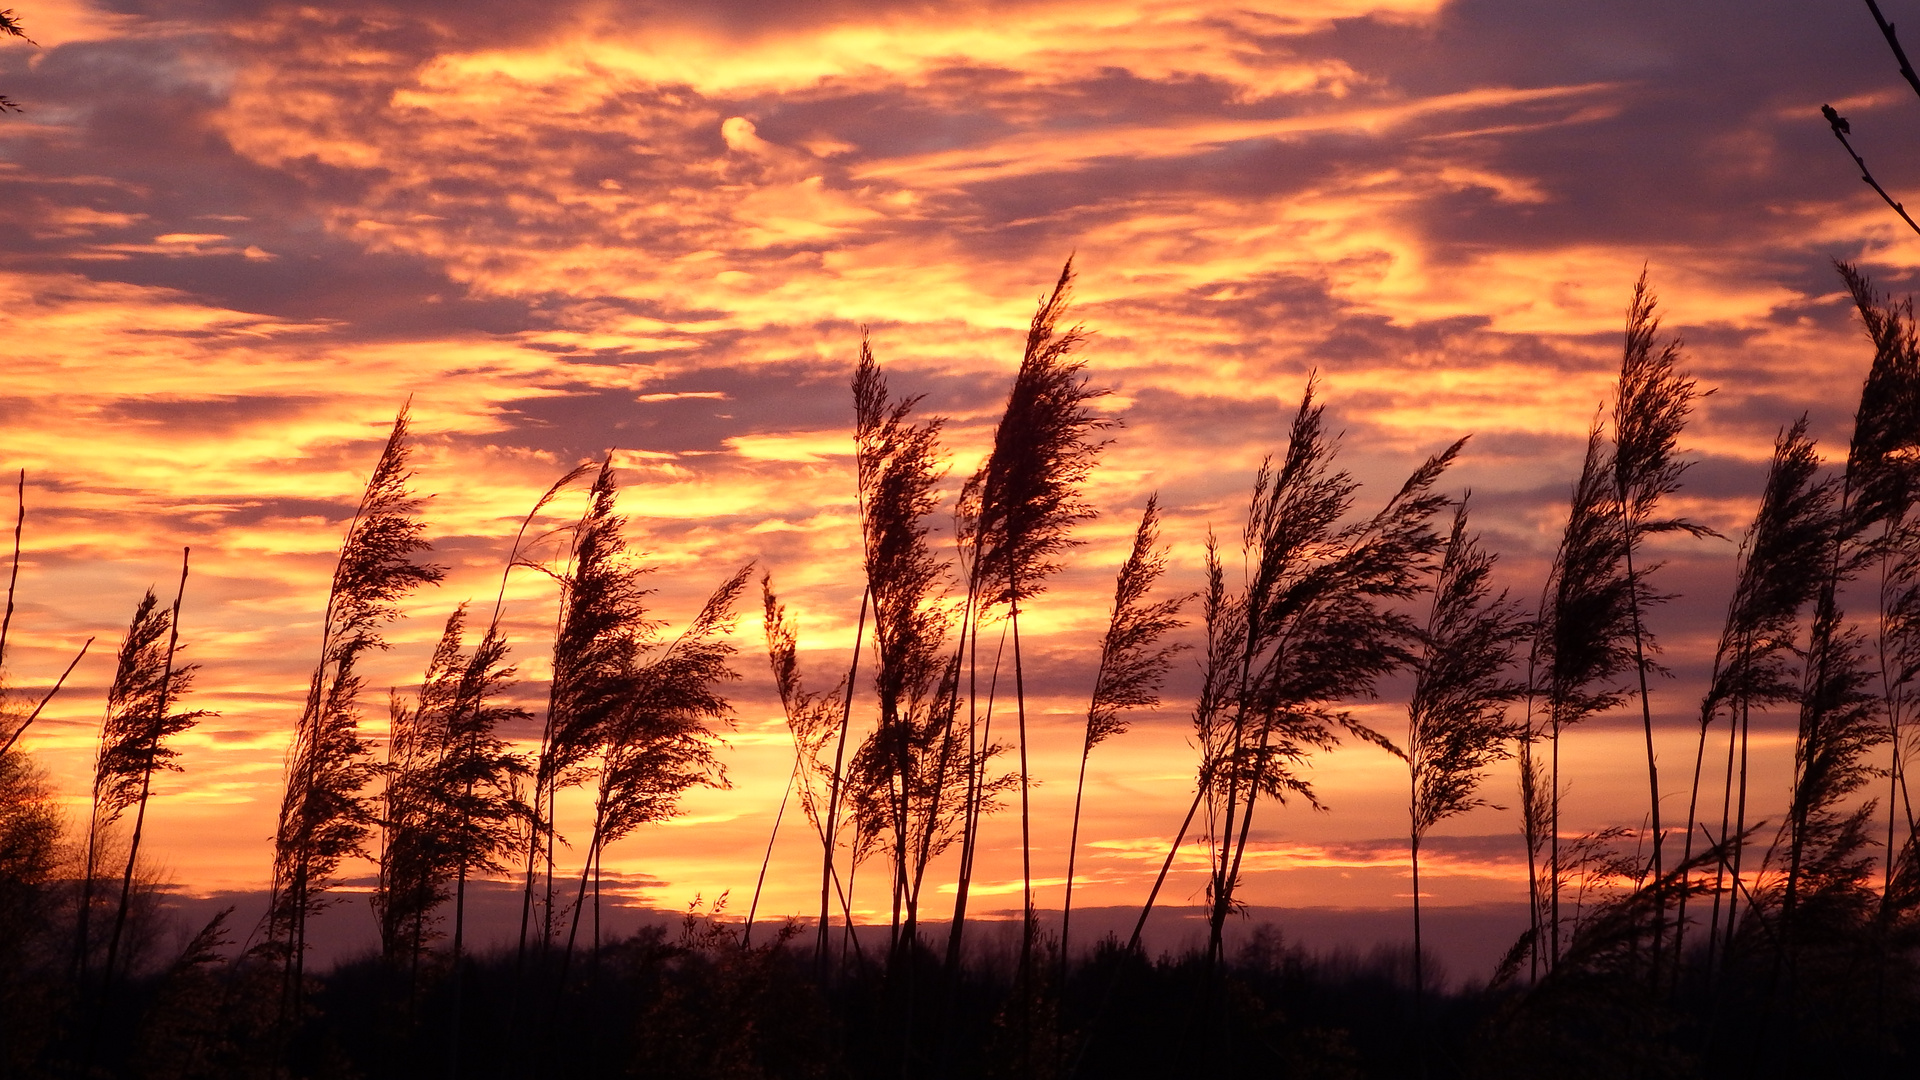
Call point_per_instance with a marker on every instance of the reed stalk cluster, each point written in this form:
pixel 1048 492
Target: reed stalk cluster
pixel 1760 929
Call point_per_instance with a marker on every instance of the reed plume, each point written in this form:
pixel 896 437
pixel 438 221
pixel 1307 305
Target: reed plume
pixel 1132 665
pixel 658 743
pixel 1840 721
pixel 1883 467
pixel 1781 561
pixel 133 744
pixel 1584 637
pixel 1311 628
pixel 1840 726
pixel 910 754
pixel 1651 405
pixel 1456 716
pixel 1025 502
pixel 603 622
pixel 406 889
pixel 450 801
pixel 324 818
pixel 810 721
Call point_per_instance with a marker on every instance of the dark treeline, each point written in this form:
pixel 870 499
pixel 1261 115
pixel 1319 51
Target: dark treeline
pixel 1763 933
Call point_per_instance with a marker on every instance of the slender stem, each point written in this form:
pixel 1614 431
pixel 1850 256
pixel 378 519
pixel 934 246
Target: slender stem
pixel 35 714
pixel 1553 840
pixel 146 776
pixel 1686 852
pixel 1653 772
pixel 1026 813
pixel 1867 176
pixel 1530 833
pixel 977 742
pixel 1419 969
pixel 830 834
pixel 1739 837
pixel 13 576
pixel 1893 42
pixel 1073 849
pixel 1160 879
pixel 765 861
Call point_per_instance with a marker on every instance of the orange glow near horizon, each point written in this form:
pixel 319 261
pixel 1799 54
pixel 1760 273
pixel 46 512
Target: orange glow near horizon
pixel 662 237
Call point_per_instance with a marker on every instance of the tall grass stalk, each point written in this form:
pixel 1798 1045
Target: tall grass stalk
pixel 13 568
pixel 1456 716
pixel 1651 405
pixel 1584 640
pixel 155 755
pixel 900 771
pixel 602 621
pixel 323 817
pixel 810 721
pixel 133 743
pixel 1780 562
pixel 657 742
pixel 1840 721
pixel 1132 666
pixel 1028 501
pixel 1314 625
pixel 1884 464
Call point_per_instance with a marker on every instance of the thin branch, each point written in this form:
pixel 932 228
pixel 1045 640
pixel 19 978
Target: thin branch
pixel 1841 129
pixel 35 714
pixel 1893 42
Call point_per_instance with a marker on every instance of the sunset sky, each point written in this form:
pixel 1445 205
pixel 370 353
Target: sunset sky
pixel 236 235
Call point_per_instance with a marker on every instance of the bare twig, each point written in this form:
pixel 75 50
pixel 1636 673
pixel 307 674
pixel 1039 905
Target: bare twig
pixel 35 714
pixel 1841 129
pixel 1893 42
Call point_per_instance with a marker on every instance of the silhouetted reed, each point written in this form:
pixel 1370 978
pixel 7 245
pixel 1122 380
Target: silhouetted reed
pixel 1020 510
pixel 810 720
pixel 1806 967
pixel 1883 467
pixel 1652 401
pixel 451 801
pixel 1456 716
pixel 1313 626
pixel 1781 560
pixel 324 817
pixel 902 774
pixel 602 623
pixel 140 719
pixel 1583 642
pixel 1132 665
pixel 659 743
